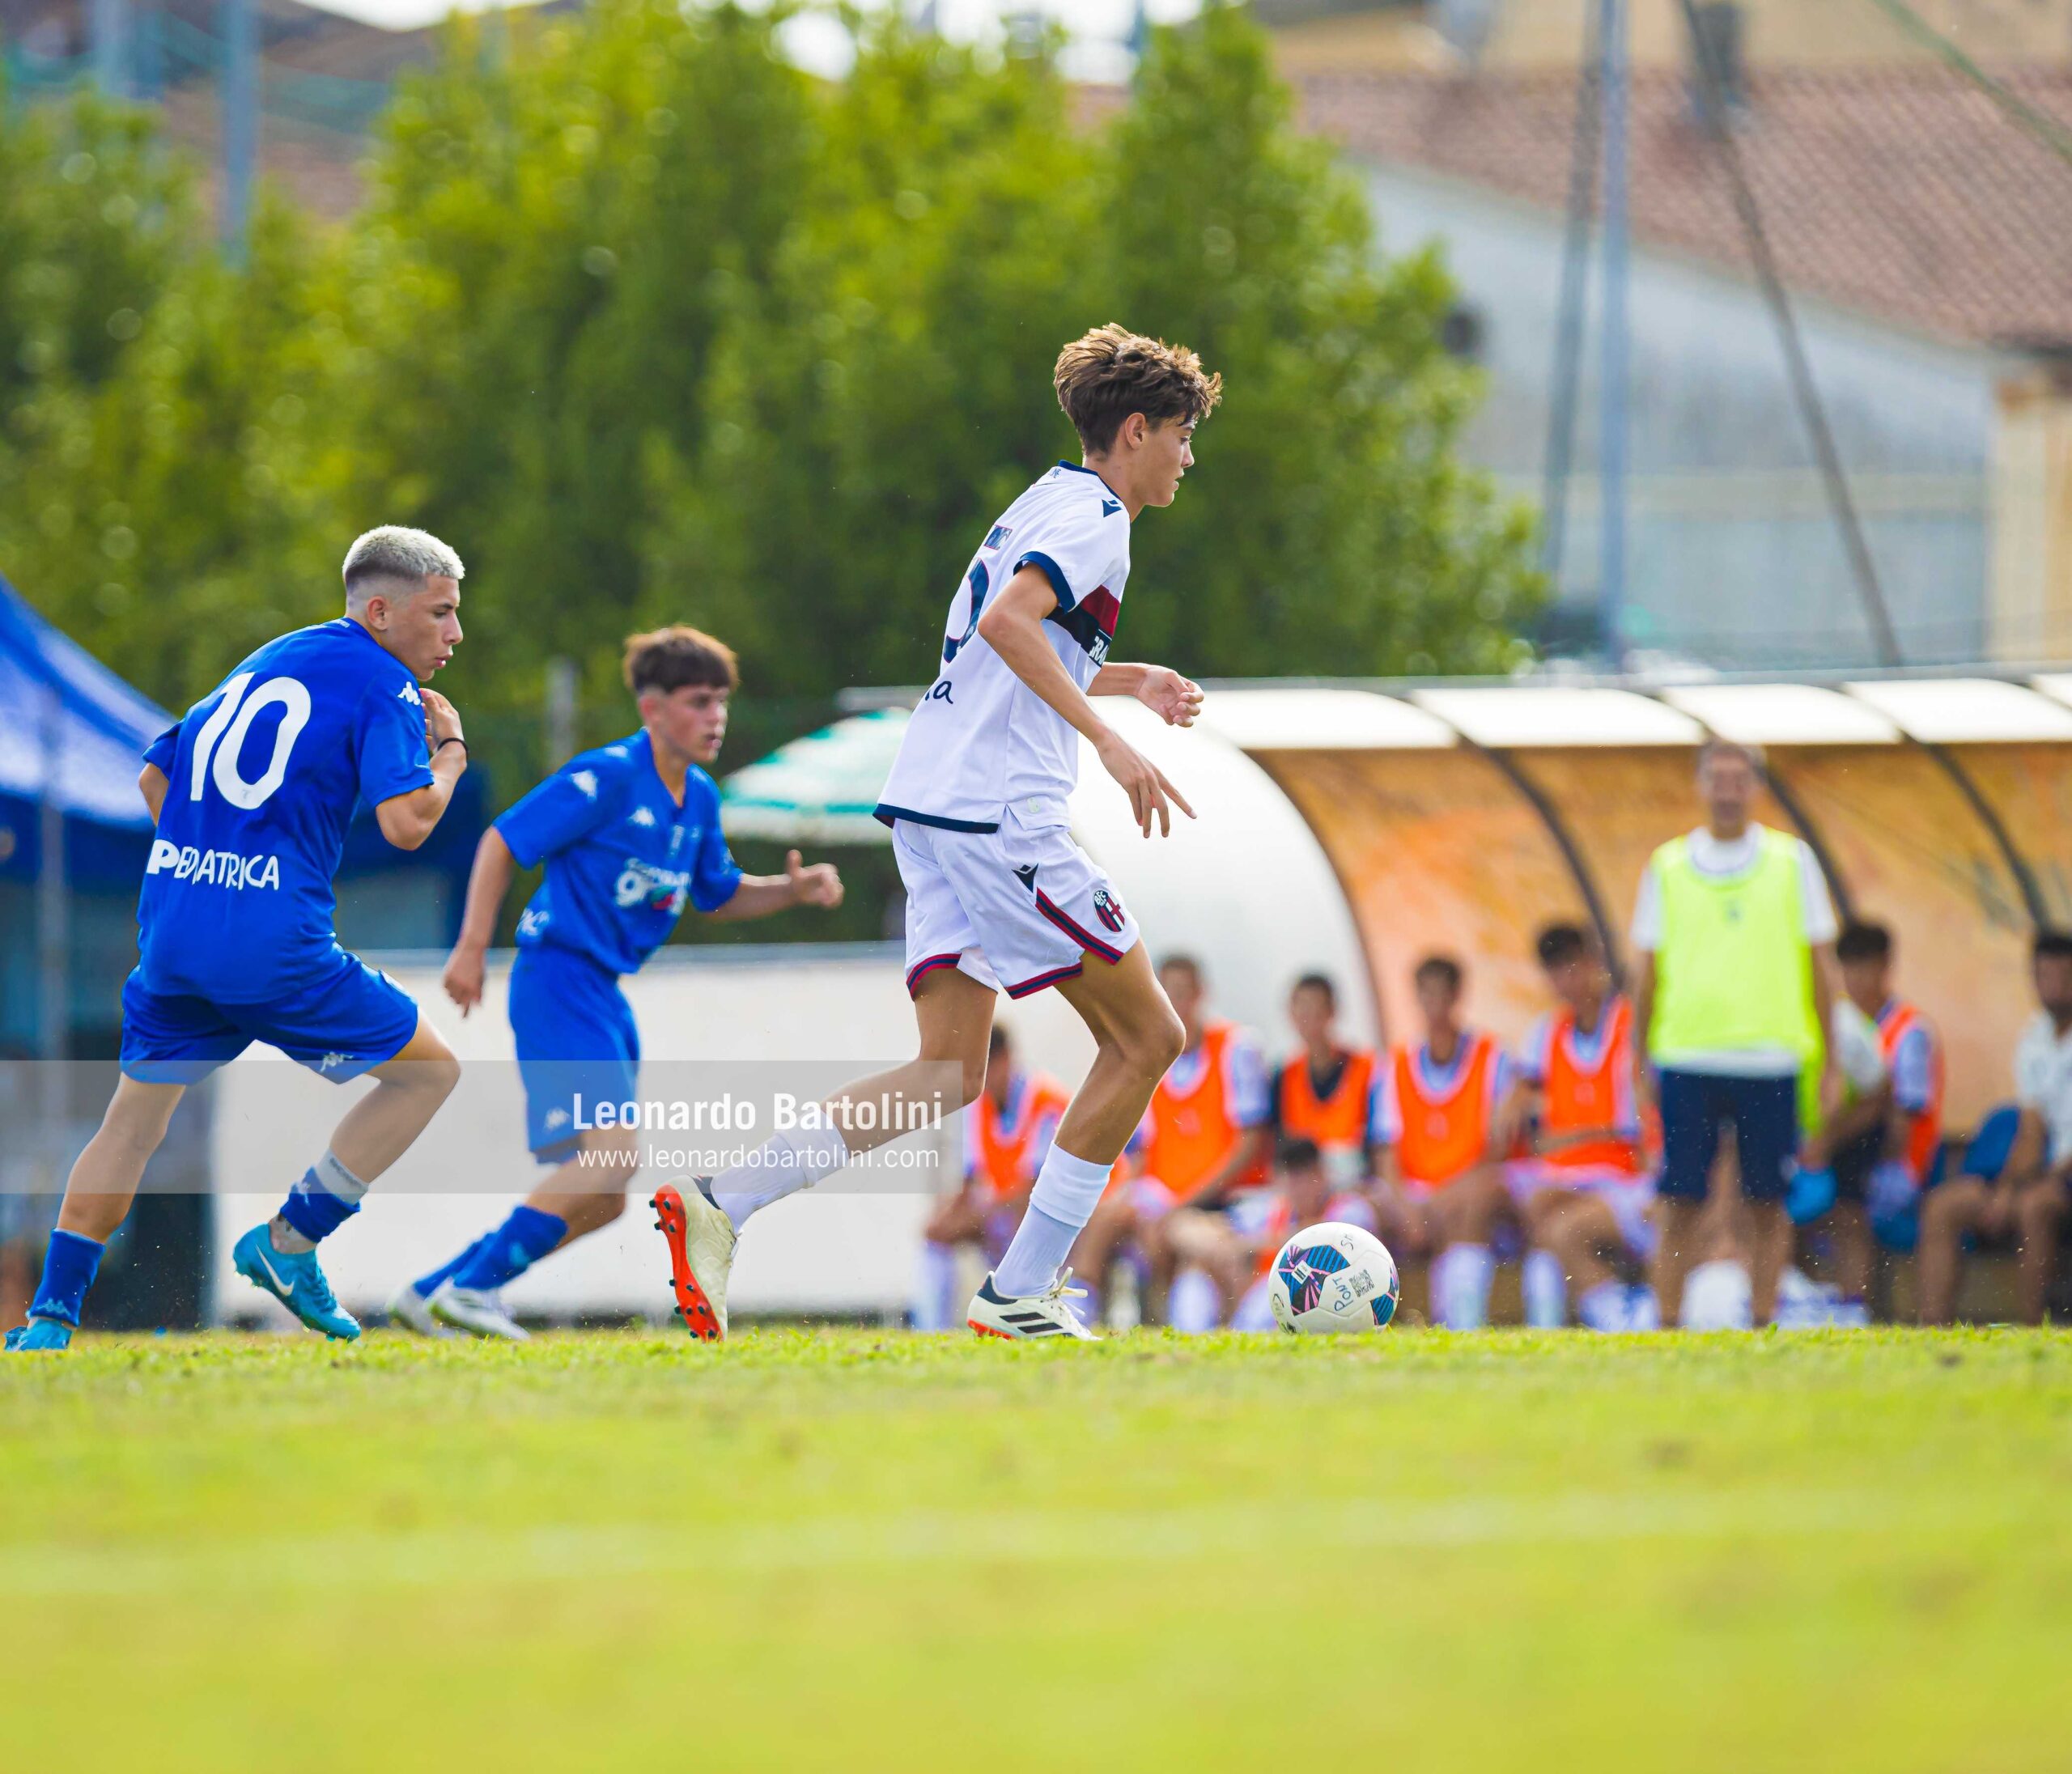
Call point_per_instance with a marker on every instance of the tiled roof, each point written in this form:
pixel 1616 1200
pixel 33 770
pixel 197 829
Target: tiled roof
pixel 1904 193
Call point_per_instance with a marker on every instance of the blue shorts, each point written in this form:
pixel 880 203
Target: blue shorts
pixel 575 1036
pixel 349 1019
pixel 1697 1106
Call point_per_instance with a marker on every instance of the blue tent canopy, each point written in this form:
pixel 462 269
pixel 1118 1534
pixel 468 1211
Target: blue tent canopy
pixel 103 726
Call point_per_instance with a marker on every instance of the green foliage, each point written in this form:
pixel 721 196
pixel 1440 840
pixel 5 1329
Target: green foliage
pixel 651 326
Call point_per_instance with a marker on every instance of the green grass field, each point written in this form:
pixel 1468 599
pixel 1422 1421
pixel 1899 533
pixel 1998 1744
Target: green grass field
pixel 847 1550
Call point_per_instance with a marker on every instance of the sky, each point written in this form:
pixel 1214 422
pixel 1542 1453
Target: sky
pixel 1098 29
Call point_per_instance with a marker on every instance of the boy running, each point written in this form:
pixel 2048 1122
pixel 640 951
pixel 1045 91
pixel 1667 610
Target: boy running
pixel 629 833
pixel 998 894
pixel 252 790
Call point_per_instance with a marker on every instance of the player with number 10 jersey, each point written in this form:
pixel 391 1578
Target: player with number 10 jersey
pixel 252 791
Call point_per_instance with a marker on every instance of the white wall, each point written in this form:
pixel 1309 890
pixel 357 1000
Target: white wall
pixel 1734 555
pixel 827 1250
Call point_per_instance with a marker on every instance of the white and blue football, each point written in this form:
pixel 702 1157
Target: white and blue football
pixel 1333 1277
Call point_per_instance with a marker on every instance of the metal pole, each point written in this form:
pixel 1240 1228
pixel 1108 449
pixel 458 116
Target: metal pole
pixel 107 27
pixel 1841 502
pixel 238 95
pixel 52 943
pixel 1575 302
pixel 1613 397
pixel 560 711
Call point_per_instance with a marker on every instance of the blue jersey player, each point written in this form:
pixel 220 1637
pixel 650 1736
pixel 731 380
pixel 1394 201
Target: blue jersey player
pixel 628 834
pixel 252 790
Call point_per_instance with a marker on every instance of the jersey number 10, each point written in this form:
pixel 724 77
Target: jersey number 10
pixel 236 712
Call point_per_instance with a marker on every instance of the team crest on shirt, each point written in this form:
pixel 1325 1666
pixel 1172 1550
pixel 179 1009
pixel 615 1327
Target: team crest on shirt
pixel 1107 908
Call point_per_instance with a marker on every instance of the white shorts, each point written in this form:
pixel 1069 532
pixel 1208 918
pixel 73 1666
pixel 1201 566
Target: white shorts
pixel 1017 909
pixel 1628 1196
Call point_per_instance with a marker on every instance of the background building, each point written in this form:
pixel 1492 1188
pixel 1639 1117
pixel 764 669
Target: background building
pixel 1919 235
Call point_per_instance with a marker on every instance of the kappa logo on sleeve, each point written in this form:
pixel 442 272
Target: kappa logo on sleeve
pixel 408 693
pixel 587 781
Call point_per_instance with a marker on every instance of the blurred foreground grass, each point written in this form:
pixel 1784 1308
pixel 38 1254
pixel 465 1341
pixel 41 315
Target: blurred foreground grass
pixel 854 1551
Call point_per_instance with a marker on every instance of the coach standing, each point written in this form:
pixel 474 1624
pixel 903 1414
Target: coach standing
pixel 1735 931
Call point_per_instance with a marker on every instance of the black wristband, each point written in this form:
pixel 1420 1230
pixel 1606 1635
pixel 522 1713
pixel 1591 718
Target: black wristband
pixel 451 739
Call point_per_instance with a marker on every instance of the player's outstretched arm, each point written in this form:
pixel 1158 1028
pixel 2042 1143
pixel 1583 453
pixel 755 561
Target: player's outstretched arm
pixel 1013 628
pixel 152 785
pixel 1175 700
pixel 488 881
pixel 801 884
pixel 407 820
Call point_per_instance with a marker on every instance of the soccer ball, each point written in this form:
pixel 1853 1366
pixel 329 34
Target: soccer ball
pixel 1333 1277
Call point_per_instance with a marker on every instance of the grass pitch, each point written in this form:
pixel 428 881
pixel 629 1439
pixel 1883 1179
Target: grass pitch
pixel 848 1551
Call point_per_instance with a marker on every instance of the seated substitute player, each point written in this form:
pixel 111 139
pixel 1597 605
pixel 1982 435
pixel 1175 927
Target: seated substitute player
pixel 2014 1186
pixel 1007 1136
pixel 1304 1193
pixel 996 891
pixel 1876 1153
pixel 1205 1141
pixel 1441 1195
pixel 629 833
pixel 253 790
pixel 1325 1093
pixel 1585 1193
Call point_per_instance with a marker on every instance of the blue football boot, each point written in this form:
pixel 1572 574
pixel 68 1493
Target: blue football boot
pixel 297 1282
pixel 48 1335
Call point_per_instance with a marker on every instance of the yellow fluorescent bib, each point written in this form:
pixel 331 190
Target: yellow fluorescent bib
pixel 1734 971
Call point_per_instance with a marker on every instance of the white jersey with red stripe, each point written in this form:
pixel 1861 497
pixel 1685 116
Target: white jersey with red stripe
pixel 981 740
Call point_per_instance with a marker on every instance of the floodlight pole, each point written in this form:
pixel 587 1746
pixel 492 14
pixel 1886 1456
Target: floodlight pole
pixel 560 711
pixel 1613 81
pixel 238 98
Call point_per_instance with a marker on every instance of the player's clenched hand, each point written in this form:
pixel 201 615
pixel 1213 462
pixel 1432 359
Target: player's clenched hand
pixel 1151 795
pixel 463 978
pixel 1174 699
pixel 442 721
pixel 819 885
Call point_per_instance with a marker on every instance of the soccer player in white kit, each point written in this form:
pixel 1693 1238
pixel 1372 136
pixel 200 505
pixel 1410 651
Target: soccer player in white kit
pixel 998 896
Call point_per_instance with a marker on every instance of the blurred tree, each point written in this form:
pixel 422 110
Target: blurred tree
pixel 182 512
pixel 1330 526
pixel 874 408
pixel 651 326
pixel 564 211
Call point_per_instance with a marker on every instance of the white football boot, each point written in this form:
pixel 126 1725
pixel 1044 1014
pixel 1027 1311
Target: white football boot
pixel 701 1242
pixel 477 1311
pixel 1049 1314
pixel 412 1311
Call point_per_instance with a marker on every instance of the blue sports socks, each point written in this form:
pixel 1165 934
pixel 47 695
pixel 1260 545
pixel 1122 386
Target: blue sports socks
pixel 427 1284
pixel 69 1267
pixel 508 1252
pixel 326 1198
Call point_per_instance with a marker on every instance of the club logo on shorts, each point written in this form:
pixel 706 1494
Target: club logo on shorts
pixel 1026 875
pixel 1107 908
